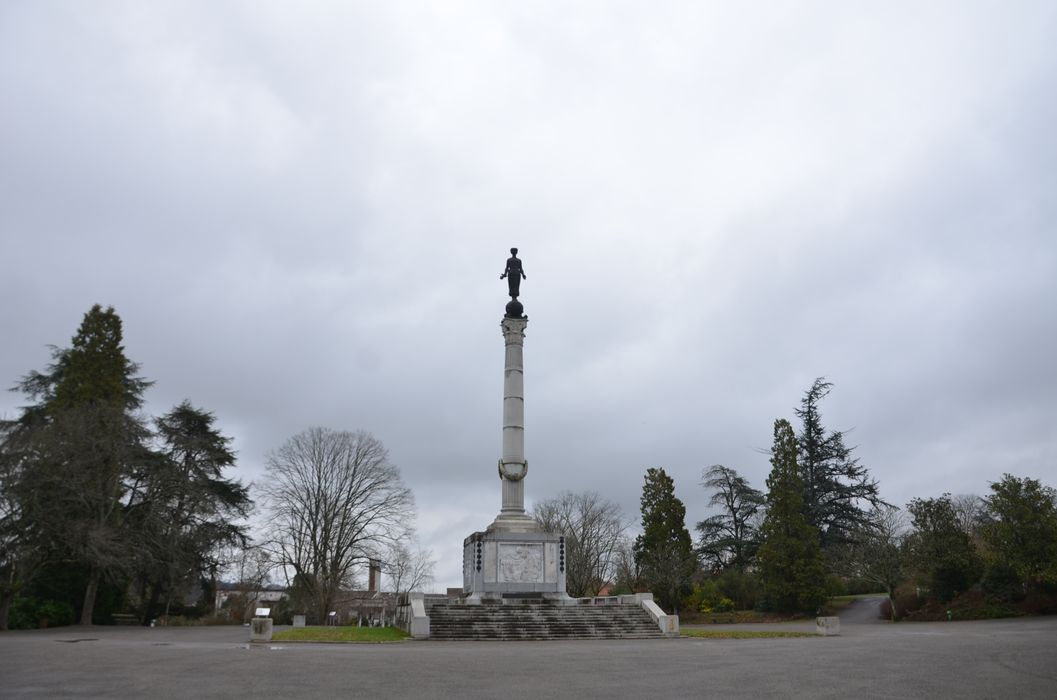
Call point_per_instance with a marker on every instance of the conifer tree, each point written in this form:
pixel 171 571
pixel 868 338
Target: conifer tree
pixel 836 487
pixel 789 559
pixel 75 448
pixel 664 552
pixel 183 508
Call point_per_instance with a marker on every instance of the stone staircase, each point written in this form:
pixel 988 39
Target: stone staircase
pixel 540 622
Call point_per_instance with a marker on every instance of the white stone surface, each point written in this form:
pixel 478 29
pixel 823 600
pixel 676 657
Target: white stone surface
pixel 261 629
pixel 299 620
pixel 827 626
pixel 513 466
pixel 668 624
pixel 521 563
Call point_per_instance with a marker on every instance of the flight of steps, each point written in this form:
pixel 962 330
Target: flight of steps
pixel 541 621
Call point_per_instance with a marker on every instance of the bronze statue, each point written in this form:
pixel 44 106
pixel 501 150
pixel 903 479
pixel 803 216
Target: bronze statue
pixel 514 274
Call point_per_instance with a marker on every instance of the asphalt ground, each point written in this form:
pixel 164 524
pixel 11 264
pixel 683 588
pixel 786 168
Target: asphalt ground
pixel 870 659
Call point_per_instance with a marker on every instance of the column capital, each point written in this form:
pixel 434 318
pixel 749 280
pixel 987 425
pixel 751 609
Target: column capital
pixel 514 330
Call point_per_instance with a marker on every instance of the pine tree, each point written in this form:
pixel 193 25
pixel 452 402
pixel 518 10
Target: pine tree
pixel 835 485
pixel 789 559
pixel 664 552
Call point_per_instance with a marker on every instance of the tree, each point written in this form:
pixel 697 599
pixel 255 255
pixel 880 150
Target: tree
pixel 593 528
pixel 970 512
pixel 183 507
pixel 75 448
pixel 790 561
pixel 626 575
pixel 940 552
pixel 729 539
pixel 835 484
pixel 663 552
pixel 21 551
pixel 250 567
pixel 335 501
pixel 409 569
pixel 1021 529
pixel 876 551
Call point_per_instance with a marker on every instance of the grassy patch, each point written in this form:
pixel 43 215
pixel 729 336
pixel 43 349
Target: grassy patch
pixel 742 634
pixel 363 635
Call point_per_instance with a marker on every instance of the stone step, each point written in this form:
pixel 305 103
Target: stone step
pixel 540 622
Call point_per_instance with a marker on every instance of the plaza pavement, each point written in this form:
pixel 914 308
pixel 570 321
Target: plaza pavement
pixel 987 659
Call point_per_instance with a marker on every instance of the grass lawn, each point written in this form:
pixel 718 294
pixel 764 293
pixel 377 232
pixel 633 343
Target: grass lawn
pixel 363 635
pixel 742 634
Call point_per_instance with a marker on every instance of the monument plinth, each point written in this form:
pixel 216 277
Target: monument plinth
pixel 512 558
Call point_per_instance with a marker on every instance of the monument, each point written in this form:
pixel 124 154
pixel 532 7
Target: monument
pixel 512 559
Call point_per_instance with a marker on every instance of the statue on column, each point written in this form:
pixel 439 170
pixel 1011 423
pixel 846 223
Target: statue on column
pixel 513 274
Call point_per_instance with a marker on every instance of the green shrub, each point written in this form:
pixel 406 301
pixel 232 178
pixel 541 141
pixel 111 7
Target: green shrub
pixel 835 586
pixel 28 613
pixel 1002 585
pixel 57 614
pixel 740 587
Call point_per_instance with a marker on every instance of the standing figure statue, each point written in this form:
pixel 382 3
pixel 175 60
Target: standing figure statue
pixel 513 274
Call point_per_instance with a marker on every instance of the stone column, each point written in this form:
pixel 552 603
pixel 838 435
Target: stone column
pixel 512 465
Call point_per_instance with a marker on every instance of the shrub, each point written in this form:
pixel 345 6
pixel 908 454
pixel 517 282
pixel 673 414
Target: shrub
pixel 1001 584
pixel 740 587
pixel 57 614
pixel 27 612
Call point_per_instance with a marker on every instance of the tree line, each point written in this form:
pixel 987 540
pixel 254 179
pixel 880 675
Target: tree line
pixel 104 510
pixel 819 528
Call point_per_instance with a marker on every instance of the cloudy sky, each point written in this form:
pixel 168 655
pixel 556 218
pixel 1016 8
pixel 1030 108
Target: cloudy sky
pixel 301 210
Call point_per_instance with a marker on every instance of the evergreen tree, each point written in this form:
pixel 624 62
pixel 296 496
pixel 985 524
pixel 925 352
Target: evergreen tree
pixel 664 552
pixel 183 508
pixel 729 539
pixel 835 485
pixel 75 448
pixel 790 561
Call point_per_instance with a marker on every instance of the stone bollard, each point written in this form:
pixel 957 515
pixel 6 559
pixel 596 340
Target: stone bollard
pixel 299 620
pixel 261 629
pixel 827 626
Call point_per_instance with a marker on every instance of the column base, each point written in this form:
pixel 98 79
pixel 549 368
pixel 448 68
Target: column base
pixel 506 564
pixel 513 522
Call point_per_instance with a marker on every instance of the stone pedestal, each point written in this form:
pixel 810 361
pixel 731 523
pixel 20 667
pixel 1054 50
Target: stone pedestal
pixel 827 626
pixel 261 629
pixel 499 565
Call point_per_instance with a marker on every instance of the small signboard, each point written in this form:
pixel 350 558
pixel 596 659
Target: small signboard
pixel 264 612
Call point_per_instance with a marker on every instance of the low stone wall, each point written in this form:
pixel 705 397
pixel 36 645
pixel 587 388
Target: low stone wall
pixel 411 616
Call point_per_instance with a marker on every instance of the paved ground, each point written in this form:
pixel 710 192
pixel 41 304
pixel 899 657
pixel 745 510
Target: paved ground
pixel 992 659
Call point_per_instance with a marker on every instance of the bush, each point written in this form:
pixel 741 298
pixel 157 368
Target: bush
pixel 27 613
pixel 740 587
pixel 1002 585
pixel 835 586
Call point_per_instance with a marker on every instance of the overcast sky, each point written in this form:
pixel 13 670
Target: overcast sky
pixel 301 210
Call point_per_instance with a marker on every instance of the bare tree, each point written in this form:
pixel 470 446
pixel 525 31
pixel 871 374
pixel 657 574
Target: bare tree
pixel 876 552
pixel 627 576
pixel 250 567
pixel 334 499
pixel 969 511
pixel 409 569
pixel 592 527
